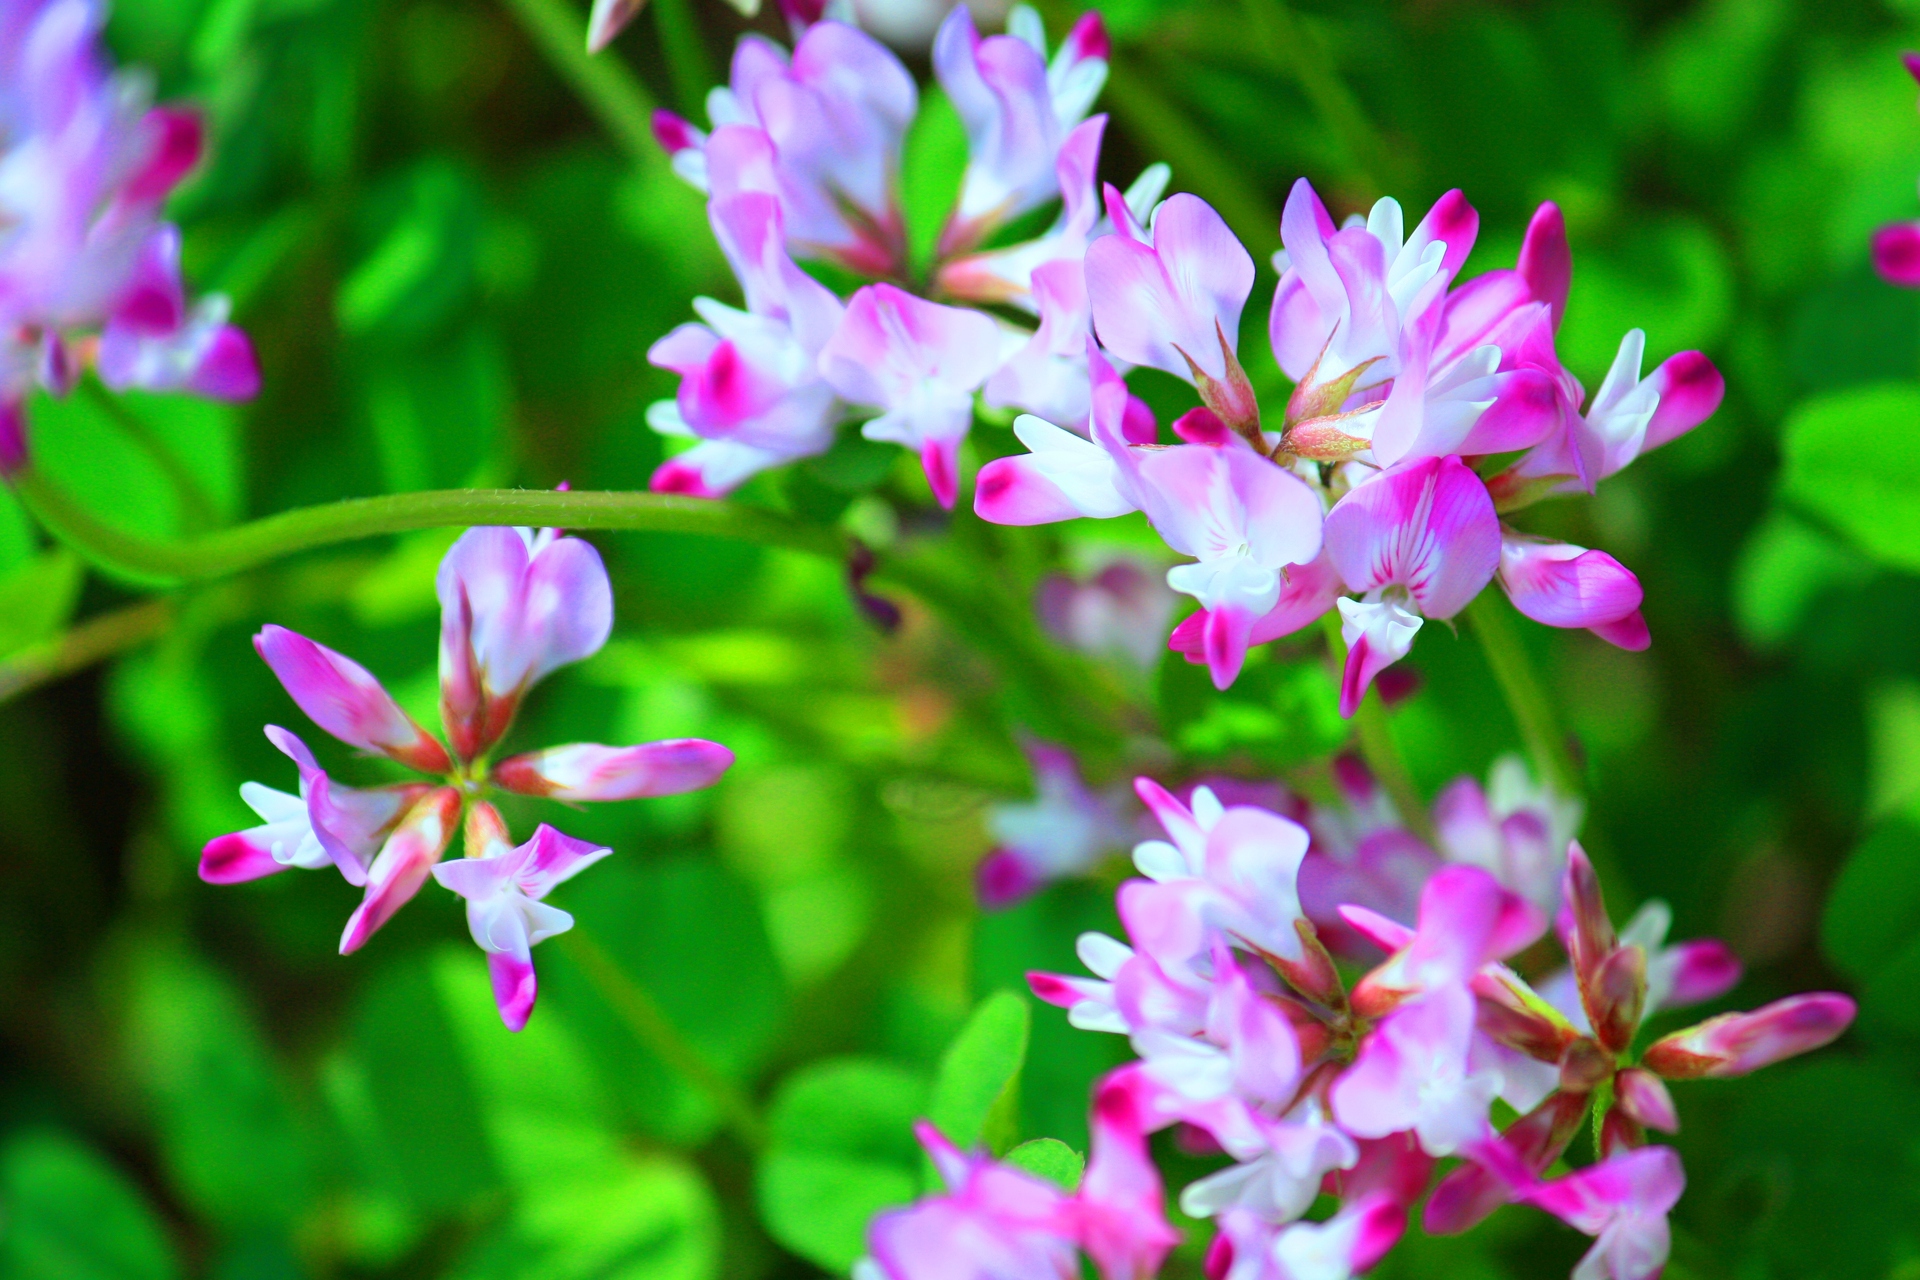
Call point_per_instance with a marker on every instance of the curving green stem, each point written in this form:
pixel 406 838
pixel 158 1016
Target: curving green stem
pixel 1526 697
pixel 1377 746
pixel 257 542
pixel 632 1003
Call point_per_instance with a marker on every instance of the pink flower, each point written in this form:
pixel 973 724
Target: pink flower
pixel 1419 541
pixel 750 385
pixel 514 605
pixel 1734 1044
pixel 1062 832
pixel 1048 376
pixel 821 131
pixel 1170 295
pixel 920 363
pixel 1016 109
pixel 85 164
pixel 1250 1247
pixel 326 824
pixel 1307 592
pixel 1896 246
pixel 503 888
pixel 1006 274
pixel 1623 1203
pixel 1120 610
pixel 1567 586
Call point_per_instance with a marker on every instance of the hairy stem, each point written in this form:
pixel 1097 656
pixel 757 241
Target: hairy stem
pixel 1377 747
pixel 643 1016
pixel 90 642
pixel 609 90
pixel 1526 697
pixel 257 542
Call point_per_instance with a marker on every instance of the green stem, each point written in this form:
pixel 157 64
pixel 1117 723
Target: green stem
pixel 90 642
pixel 257 542
pixel 685 54
pixel 197 508
pixel 1291 44
pixel 604 84
pixel 644 1017
pixel 1526 696
pixel 1377 746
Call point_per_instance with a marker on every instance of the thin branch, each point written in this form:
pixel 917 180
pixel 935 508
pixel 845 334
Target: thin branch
pixel 94 640
pixel 644 1017
pixel 257 542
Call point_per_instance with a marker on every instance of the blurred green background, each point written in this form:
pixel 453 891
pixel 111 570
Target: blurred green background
pixel 453 261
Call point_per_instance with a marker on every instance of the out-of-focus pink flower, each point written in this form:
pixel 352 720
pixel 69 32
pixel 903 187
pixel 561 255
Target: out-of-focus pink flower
pixel 1063 831
pixel 750 388
pixel 919 362
pixel 514 605
pixel 1514 829
pixel 1896 246
pixel 1419 541
pixel 1016 109
pixel 996 1221
pixel 503 888
pixel 85 164
pixel 1734 1044
pixel 1122 610
pixel 1250 1247
pixel 1006 274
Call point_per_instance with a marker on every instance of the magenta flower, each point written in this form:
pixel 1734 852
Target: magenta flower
pixel 515 605
pixel 1063 831
pixel 998 1223
pixel 1048 376
pixel 1419 541
pixel 1567 586
pixel 750 387
pixel 1250 1247
pixel 88 272
pixel 1017 110
pixel 1623 1203
pixel 1896 246
pixel 920 363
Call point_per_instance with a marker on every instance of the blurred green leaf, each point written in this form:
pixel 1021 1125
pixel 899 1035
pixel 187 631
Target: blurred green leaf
pixel 1051 1159
pixel 66 1214
pixel 976 1093
pixel 1874 908
pixel 420 264
pixel 228 1133
pixel 1852 460
pixel 931 169
pixel 1782 570
pixel 37 598
pixel 842 1150
pixel 1670 278
pixel 426 1112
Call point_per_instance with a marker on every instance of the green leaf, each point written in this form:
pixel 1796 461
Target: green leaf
pixel 424 1104
pixel 627 1217
pixel 36 599
pixel 1874 908
pixel 227 1129
pixel 819 1205
pixel 1671 278
pixel 17 543
pixel 1783 568
pixel 842 1150
pixel 976 1094
pixel 1852 459
pixel 1051 1159
pixel 66 1214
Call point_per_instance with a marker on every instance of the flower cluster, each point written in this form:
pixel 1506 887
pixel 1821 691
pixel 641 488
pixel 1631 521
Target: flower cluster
pixel 804 161
pixel 1249 1038
pixel 1368 494
pixel 89 275
pixel 1896 246
pixel 515 604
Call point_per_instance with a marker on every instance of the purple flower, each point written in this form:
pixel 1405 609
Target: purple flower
pixel 515 605
pixel 88 272
pixel 1063 831
pixel 1120 610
